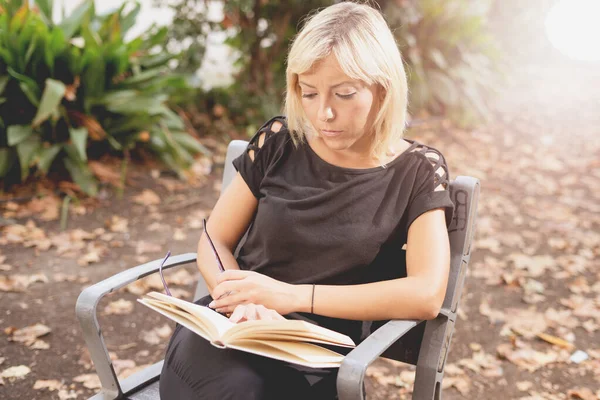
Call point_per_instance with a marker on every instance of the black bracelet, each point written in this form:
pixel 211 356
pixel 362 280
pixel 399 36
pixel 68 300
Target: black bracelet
pixel 312 301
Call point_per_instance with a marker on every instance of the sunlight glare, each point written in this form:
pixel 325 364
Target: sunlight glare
pixel 572 27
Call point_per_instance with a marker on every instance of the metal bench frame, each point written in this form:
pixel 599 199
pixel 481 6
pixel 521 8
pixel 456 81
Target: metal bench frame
pixel 421 343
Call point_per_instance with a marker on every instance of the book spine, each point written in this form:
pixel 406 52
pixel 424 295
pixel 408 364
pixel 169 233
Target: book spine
pixel 218 344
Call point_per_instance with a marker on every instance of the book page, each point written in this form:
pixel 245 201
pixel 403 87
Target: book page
pixel 296 330
pixel 288 337
pixel 221 323
pixel 297 353
pixel 177 317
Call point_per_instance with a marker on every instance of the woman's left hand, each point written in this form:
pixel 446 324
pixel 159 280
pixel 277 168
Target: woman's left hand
pixel 252 287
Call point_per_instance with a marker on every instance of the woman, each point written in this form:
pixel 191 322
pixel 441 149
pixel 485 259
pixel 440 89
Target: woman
pixel 331 193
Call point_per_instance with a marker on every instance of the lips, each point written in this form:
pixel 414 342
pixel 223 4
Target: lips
pixel 330 133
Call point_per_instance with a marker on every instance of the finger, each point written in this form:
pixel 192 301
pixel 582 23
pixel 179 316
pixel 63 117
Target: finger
pixel 226 294
pixel 276 315
pixel 227 311
pixel 230 286
pixel 238 313
pixel 263 313
pixel 228 301
pixel 251 312
pixel 232 274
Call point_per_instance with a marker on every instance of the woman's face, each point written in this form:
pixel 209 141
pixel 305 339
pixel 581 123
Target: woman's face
pixel 341 109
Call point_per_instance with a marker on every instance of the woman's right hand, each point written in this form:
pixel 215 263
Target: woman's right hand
pixel 250 311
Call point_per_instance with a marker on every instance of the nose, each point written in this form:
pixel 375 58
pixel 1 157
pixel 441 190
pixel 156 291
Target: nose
pixel 325 113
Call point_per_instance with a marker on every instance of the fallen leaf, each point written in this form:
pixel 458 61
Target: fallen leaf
pixel 483 363
pixel 29 334
pixel 118 224
pixel 581 393
pixel 461 383
pixel 153 282
pixel 195 224
pixel 561 318
pixel 171 185
pixel 489 243
pixel 127 372
pixel 5 267
pixel 147 198
pixel 18 283
pixel 579 286
pixel 528 358
pixel 156 335
pixel 105 173
pixel 48 207
pixel 526 322
pixel 122 365
pixel 61 277
pixel 13 373
pixel 179 235
pixel 119 307
pixel 590 326
pixel 50 385
pixel 524 386
pixel 157 226
pixel 40 345
pixel 28 235
pixel 90 381
pixel 92 256
pixel 143 247
pixel 79 235
pixel 452 369
pixel 179 277
pixel 494 316
pixel 536 265
pixel 63 394
pixel 180 293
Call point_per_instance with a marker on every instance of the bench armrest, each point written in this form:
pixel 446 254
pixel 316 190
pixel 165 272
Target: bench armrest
pixel 351 374
pixel 86 314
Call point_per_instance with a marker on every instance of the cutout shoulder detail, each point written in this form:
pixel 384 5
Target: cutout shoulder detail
pixel 271 127
pixel 437 161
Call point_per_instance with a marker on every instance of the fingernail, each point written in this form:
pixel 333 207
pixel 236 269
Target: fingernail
pixel 212 304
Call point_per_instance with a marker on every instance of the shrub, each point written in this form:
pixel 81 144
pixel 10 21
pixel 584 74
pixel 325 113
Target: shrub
pixel 77 89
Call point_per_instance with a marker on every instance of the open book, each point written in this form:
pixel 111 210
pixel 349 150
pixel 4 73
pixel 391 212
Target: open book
pixel 286 340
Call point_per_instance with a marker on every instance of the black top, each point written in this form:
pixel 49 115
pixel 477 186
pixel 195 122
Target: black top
pixel 324 224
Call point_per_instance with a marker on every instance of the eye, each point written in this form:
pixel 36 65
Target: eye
pixel 308 95
pixel 345 96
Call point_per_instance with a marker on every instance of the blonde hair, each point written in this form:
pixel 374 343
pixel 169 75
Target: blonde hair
pixel 358 36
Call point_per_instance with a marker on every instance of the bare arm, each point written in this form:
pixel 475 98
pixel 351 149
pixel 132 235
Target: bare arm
pixel 228 222
pixel 418 296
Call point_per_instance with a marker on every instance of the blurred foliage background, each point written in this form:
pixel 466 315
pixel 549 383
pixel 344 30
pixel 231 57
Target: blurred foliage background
pixel 73 91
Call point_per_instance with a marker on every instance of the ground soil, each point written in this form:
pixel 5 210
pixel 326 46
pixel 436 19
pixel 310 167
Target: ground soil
pixel 550 111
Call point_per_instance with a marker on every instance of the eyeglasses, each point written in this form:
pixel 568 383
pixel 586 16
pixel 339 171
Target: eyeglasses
pixel 214 250
pixel 162 278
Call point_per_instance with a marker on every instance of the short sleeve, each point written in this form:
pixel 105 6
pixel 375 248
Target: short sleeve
pixel 431 188
pixel 251 171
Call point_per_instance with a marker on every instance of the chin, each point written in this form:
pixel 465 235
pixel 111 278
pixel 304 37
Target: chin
pixel 336 143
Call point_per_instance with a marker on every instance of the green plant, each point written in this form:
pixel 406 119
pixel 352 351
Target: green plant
pixel 77 89
pixel 453 62
pixel 260 32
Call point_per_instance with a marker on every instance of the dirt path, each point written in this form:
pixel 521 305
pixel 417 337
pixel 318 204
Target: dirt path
pixel 534 267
